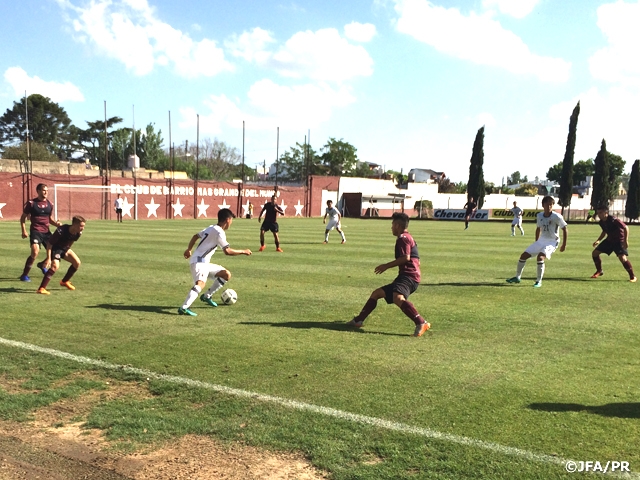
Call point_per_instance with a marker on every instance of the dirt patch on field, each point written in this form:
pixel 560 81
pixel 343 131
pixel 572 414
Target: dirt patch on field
pixel 55 446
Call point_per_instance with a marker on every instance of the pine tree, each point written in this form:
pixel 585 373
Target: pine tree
pixel 566 179
pixel 475 186
pixel 632 207
pixel 601 193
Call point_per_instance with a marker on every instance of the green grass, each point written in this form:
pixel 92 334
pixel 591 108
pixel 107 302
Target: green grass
pixel 552 371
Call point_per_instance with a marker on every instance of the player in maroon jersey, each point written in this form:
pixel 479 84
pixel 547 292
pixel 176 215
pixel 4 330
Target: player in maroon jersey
pixel 270 222
pixel 59 247
pixel 617 241
pixel 40 212
pixel 408 263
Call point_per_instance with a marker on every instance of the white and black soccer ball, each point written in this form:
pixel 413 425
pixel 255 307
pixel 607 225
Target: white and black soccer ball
pixel 229 297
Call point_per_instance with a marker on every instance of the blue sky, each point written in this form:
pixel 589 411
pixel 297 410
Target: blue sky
pixel 407 82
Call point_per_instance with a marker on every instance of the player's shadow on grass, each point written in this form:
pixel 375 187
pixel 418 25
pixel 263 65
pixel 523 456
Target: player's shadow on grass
pixel 502 283
pixel 14 290
pixel 136 308
pixel 339 326
pixel 619 410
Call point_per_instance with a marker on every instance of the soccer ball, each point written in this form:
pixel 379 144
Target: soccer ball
pixel 229 297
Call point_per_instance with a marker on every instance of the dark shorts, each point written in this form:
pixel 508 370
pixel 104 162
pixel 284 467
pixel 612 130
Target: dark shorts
pixel 403 285
pixel 39 238
pixel 269 226
pixel 118 210
pixel 58 253
pixel 612 247
pixel 468 213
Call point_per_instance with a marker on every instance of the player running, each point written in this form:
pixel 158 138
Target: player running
pixel 617 241
pixel 211 238
pixel 548 223
pixel 58 248
pixel 40 212
pixel 517 219
pixel 334 221
pixel 408 263
pixel 470 208
pixel 270 222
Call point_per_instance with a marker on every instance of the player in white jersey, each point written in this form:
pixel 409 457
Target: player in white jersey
pixel 334 221
pixel 517 219
pixel 211 238
pixel 548 223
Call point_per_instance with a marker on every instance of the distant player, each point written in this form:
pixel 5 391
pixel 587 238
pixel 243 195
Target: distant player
pixel 40 212
pixel 211 238
pixel 334 221
pixel 548 223
pixel 517 219
pixel 617 241
pixel 470 207
pixel 117 205
pixel 270 222
pixel 408 263
pixel 59 248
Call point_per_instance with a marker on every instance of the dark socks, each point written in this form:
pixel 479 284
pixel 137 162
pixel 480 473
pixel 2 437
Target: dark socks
pixel 410 311
pixel 70 273
pixel 27 265
pixel 366 310
pixel 627 266
pixel 47 278
pixel 598 263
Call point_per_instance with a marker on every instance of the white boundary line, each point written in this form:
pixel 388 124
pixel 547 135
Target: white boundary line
pixel 295 405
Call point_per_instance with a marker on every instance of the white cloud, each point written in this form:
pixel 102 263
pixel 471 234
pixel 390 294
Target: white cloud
pixel 270 105
pixel 476 38
pixel 20 81
pixel 251 46
pixel 130 32
pixel 514 8
pixel 360 32
pixel 618 62
pixel 323 56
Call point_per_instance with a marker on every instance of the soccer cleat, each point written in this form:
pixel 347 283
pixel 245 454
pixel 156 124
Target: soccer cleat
pixel 353 323
pixel 262 247
pixel 633 280
pixel 25 278
pixel 43 291
pixel 421 328
pixel 537 285
pixel 67 284
pixel 279 250
pixel 513 234
pixel 343 241
pixel 41 267
pixel 208 300
pixel 325 242
pixel 513 280
pixel 597 274
pixel 186 311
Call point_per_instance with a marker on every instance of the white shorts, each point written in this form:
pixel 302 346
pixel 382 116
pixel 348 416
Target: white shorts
pixel 333 223
pixel 545 246
pixel 517 221
pixel 201 271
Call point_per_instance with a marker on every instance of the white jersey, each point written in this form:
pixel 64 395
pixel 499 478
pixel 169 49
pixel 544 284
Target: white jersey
pixel 517 212
pixel 550 225
pixel 212 237
pixel 333 213
pixel 118 203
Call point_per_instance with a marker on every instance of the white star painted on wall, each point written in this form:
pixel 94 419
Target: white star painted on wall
pixel 245 209
pixel 298 208
pixel 202 209
pixel 1 205
pixel 177 208
pixel 152 208
pixel 283 206
pixel 224 204
pixel 126 207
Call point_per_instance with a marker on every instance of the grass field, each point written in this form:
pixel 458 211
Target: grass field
pixel 552 372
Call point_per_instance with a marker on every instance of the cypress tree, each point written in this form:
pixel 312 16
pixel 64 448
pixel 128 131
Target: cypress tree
pixel 632 207
pixel 600 195
pixel 475 186
pixel 566 178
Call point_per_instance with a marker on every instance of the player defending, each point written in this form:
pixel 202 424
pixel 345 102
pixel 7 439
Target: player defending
pixel 517 219
pixel 40 211
pixel 58 248
pixel 408 262
pixel 470 207
pixel 211 238
pixel 617 241
pixel 334 221
pixel 117 205
pixel 547 238
pixel 270 222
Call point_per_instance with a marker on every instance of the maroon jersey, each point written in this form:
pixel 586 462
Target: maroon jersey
pixel 405 245
pixel 272 210
pixel 614 228
pixel 40 212
pixel 62 238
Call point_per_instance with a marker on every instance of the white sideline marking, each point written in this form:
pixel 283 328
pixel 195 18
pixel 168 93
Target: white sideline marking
pixel 353 417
